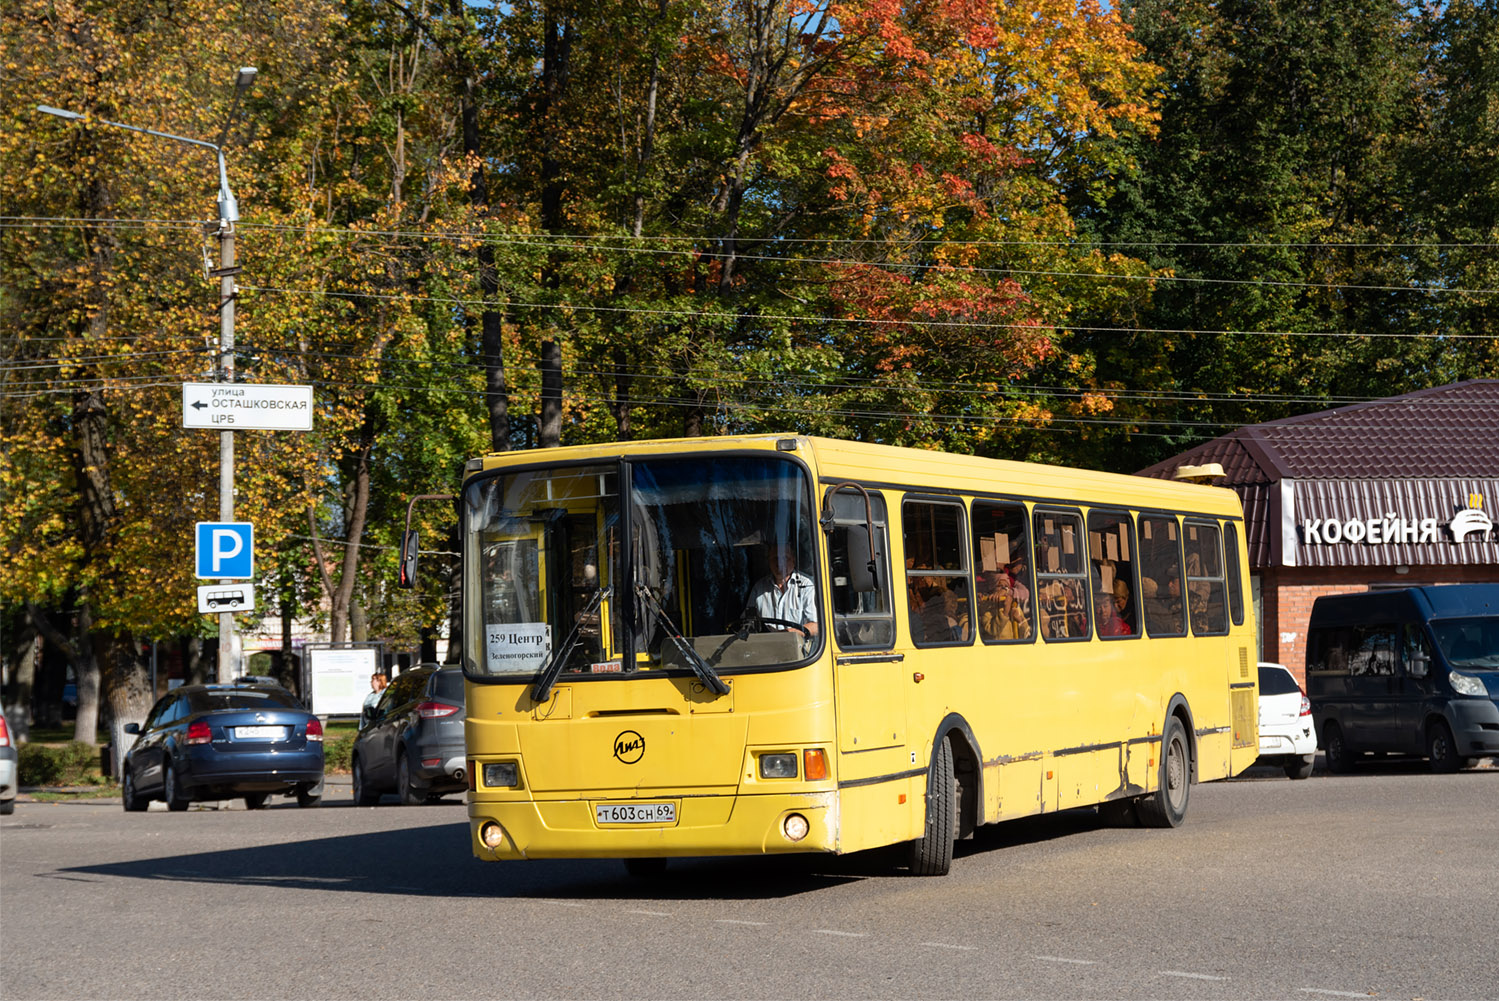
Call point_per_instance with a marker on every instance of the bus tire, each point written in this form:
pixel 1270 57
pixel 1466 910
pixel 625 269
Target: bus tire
pixel 931 854
pixel 1334 751
pixel 1441 749
pixel 1167 806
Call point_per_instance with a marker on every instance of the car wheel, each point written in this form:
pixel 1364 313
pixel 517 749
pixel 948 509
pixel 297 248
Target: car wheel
pixel 309 794
pixel 134 803
pixel 256 800
pixel 1300 768
pixel 1441 749
pixel 363 794
pixel 1338 760
pixel 176 802
pixel 645 868
pixel 411 794
pixel 931 854
pixel 7 807
pixel 1167 806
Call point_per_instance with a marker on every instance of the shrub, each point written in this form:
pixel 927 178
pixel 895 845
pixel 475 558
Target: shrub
pixel 337 752
pixel 70 764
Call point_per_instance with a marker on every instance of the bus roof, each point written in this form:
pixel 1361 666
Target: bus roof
pixel 910 468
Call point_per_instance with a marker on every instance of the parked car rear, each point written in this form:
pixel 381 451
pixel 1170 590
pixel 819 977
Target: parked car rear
pixel 9 766
pixel 1409 671
pixel 209 742
pixel 1288 738
pixel 411 741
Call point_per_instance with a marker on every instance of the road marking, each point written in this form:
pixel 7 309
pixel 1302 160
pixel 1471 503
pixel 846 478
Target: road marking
pixel 735 921
pixel 1064 959
pixel 653 914
pixel 845 934
pixel 949 945
pixel 1192 976
pixel 561 903
pixel 1335 994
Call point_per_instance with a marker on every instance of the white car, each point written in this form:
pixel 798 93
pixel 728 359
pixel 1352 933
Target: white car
pixel 8 769
pixel 1287 735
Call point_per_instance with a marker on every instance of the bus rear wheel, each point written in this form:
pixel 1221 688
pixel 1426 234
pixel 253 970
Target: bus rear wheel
pixel 1167 806
pixel 931 854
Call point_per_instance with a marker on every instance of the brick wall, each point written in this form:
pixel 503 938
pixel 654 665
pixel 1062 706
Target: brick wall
pixel 1288 594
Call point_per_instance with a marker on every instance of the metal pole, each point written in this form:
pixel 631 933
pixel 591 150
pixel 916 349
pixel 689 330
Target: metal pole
pixel 227 666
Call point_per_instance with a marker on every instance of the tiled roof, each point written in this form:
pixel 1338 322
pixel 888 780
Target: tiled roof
pixel 1448 431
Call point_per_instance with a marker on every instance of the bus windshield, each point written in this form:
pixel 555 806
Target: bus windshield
pixel 716 573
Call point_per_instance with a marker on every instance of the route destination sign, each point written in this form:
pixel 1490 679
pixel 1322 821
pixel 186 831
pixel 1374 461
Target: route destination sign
pixel 243 406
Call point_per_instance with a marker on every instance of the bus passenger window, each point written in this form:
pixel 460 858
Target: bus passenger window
pixel 1000 545
pixel 861 619
pixel 1061 591
pixel 1206 600
pixel 1235 578
pixel 936 573
pixel 1111 551
pixel 1161 576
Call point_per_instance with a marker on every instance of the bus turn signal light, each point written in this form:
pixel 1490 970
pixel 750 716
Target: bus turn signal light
pixel 814 764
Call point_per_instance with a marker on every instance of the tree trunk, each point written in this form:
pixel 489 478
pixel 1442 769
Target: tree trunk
pixel 129 692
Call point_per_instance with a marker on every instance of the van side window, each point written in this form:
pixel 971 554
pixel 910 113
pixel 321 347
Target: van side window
pixel 1374 650
pixel 1235 579
pixel 936 573
pixel 1160 583
pixel 861 619
pixel 1061 576
pixel 1205 584
pixel 1001 548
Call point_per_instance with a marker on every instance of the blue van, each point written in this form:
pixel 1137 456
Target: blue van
pixel 1409 671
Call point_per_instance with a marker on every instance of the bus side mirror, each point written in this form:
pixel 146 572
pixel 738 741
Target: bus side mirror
pixel 409 545
pixel 861 572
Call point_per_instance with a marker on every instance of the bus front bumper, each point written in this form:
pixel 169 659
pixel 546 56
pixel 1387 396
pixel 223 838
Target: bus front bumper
pixel 703 825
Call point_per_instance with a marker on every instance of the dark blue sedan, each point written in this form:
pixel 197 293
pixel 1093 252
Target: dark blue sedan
pixel 224 741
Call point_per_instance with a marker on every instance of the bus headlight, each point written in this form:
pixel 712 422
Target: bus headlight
pixel 778 766
pixel 501 775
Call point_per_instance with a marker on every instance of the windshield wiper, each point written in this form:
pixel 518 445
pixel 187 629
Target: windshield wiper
pixel 695 660
pixel 548 676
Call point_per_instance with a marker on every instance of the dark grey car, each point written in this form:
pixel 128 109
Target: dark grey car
pixel 411 741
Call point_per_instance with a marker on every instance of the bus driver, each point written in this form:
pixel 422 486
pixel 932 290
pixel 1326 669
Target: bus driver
pixel 786 595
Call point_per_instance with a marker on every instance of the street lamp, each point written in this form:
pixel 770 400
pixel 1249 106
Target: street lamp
pixel 228 215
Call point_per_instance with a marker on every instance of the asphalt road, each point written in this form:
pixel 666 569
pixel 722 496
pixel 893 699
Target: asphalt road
pixel 1382 884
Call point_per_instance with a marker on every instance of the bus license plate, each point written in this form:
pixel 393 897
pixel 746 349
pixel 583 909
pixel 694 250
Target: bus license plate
pixel 636 813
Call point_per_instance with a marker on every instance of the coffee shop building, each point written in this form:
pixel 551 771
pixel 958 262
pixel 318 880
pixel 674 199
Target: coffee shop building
pixel 1390 493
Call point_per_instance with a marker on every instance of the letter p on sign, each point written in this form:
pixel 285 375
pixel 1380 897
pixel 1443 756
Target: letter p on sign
pixel 226 550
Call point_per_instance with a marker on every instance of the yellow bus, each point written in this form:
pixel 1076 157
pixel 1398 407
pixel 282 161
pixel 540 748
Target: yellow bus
pixel 755 645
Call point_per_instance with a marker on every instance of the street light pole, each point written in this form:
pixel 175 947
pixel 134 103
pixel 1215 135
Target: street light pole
pixel 228 215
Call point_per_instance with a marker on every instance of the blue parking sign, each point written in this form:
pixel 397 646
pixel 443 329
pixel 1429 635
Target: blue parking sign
pixel 226 549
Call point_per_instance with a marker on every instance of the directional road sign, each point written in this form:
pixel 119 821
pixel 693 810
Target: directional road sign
pixel 243 406
pixel 226 598
pixel 226 549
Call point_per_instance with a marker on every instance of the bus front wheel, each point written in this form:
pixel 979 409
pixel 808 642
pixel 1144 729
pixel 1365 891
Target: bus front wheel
pixel 931 854
pixel 1167 806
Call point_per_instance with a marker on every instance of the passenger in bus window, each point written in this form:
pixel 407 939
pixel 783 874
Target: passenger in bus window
pixel 1164 609
pixel 1110 622
pixel 785 594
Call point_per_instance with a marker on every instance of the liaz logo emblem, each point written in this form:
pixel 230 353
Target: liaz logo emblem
pixel 629 747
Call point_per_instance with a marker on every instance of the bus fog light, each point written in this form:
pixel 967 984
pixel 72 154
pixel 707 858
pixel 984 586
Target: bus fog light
pixel 501 775
pixel 778 766
pixel 795 827
pixel 492 834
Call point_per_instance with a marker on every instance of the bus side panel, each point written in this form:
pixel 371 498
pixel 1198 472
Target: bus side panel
pixel 887 813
